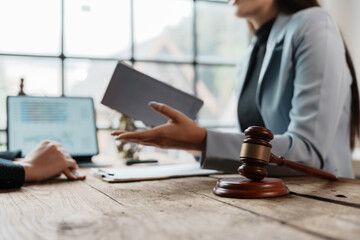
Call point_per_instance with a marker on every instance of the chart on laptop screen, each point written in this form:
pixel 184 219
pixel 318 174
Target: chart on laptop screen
pixel 70 121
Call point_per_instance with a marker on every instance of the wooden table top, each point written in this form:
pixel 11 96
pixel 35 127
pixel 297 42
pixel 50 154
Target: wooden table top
pixel 181 208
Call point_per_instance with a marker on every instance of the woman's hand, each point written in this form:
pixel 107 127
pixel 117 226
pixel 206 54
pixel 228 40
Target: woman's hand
pixel 179 132
pixel 48 160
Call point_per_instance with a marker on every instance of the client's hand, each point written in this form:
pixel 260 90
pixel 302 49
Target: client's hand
pixel 180 132
pixel 48 160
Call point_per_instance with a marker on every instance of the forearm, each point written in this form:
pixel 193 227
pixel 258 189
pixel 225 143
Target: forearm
pixel 222 151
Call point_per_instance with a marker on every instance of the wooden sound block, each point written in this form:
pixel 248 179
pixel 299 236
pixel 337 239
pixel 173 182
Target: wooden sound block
pixel 244 188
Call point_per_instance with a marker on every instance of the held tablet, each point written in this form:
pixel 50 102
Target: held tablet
pixel 130 91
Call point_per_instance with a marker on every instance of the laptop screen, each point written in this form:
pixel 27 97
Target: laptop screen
pixel 68 120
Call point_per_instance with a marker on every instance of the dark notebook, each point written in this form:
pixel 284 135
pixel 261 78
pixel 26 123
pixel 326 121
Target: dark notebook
pixel 130 91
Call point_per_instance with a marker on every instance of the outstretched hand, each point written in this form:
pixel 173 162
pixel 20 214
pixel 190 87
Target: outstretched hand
pixel 179 132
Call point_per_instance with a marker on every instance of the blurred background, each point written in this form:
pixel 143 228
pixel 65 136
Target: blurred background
pixel 71 47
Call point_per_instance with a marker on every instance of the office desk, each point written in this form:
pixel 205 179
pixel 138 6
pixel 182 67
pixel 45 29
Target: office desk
pixel 182 208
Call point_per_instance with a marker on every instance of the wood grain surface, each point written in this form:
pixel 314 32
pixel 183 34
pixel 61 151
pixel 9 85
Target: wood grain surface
pixel 183 208
pixel 345 191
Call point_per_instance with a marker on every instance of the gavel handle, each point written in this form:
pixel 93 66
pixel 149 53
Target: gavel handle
pixel 281 161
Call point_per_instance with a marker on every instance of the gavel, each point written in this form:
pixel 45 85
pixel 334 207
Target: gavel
pixel 256 153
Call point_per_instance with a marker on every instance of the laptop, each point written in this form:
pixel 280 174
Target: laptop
pixel 67 120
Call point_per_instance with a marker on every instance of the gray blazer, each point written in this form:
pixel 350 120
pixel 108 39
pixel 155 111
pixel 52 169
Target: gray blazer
pixel 303 96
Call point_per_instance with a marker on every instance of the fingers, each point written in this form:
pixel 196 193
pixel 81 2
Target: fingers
pixel 167 111
pixel 73 175
pixel 147 142
pixel 146 134
pixel 115 133
pixel 146 137
pixel 70 170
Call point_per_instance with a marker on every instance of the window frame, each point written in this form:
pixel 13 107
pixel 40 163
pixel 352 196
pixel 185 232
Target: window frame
pixel 132 58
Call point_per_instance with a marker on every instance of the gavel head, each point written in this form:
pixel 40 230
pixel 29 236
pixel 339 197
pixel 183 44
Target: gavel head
pixel 255 153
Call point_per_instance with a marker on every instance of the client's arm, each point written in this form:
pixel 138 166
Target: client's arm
pixel 47 160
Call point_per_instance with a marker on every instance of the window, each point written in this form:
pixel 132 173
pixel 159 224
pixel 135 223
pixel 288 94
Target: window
pixel 97 28
pixel 71 47
pixel 30 27
pixel 43 78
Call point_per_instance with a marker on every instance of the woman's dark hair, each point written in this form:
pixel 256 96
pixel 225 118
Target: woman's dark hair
pixel 293 6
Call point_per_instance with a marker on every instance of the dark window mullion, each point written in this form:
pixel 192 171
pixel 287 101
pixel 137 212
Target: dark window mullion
pixel 212 63
pixel 27 55
pixel 206 63
pixel 195 50
pixel 62 55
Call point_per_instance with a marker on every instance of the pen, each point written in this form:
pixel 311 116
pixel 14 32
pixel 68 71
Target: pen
pixel 132 161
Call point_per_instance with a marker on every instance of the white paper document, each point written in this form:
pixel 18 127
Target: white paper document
pixel 130 174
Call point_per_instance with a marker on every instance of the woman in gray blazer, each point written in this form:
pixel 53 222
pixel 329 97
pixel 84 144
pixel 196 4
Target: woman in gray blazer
pixel 297 79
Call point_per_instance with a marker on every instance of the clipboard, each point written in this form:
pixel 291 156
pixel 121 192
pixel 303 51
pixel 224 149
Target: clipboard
pixel 131 174
pixel 130 91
